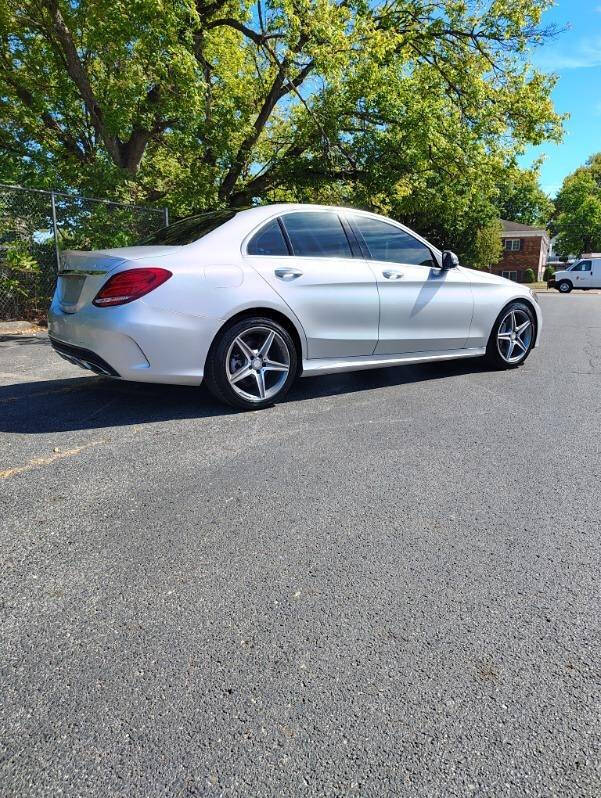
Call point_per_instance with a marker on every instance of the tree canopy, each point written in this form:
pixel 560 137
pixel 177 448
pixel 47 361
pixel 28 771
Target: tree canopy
pixel 417 108
pixel 521 199
pixel 577 222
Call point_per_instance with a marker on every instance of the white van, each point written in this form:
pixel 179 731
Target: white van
pixel 583 273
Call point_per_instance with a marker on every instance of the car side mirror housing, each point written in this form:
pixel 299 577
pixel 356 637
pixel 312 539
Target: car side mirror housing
pixel 449 260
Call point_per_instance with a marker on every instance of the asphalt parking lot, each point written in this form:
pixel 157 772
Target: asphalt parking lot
pixel 387 585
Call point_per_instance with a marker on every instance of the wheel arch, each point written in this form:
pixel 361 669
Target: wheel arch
pixel 270 313
pixel 530 304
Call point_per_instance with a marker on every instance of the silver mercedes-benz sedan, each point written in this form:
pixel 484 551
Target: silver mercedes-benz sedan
pixel 248 300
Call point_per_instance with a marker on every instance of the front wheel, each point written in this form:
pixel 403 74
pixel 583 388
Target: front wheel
pixel 252 364
pixel 565 286
pixel 512 336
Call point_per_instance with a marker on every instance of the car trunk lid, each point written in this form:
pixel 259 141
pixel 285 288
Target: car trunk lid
pixel 82 273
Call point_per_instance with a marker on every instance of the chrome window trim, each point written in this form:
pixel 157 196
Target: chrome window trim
pixel 82 272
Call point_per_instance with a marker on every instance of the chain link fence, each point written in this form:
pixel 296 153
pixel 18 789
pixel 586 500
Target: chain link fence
pixel 35 225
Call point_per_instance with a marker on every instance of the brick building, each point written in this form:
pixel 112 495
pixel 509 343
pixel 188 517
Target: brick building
pixel 524 247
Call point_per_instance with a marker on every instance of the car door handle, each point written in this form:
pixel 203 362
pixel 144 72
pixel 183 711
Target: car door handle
pixel 288 273
pixel 392 274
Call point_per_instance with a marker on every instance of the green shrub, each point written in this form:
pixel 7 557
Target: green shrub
pixel 549 272
pixel 19 282
pixel 528 276
pixel 18 257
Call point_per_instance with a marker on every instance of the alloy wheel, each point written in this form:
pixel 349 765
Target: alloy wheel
pixel 257 364
pixel 514 336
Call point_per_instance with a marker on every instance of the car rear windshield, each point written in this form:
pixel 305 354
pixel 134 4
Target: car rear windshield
pixel 188 230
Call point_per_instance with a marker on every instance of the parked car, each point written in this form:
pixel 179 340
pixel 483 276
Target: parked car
pixel 584 273
pixel 248 300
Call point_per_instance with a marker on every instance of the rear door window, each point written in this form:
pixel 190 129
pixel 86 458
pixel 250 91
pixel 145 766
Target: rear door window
pixel 317 234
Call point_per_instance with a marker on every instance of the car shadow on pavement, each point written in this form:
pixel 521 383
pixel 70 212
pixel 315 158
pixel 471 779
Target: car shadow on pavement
pixel 370 379
pixel 24 340
pixel 88 402
pixel 92 402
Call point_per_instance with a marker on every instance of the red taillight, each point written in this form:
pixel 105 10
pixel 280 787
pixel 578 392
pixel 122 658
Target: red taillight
pixel 129 285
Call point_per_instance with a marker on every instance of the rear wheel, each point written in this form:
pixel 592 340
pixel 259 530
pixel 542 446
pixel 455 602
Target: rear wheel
pixel 252 364
pixel 512 336
pixel 564 287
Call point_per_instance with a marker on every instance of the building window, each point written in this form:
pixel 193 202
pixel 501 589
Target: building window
pixel 510 276
pixel 512 245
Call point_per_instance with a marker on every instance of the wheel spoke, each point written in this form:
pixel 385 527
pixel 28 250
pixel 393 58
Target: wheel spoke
pixel 243 372
pixel 244 348
pixel 258 363
pixel 264 350
pixel 515 327
pixel 260 378
pixel 272 365
pixel 521 327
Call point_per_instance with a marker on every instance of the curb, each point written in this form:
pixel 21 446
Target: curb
pixel 20 327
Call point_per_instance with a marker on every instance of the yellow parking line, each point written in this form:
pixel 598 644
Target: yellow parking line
pixel 42 461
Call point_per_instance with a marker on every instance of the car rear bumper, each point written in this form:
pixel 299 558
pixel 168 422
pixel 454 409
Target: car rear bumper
pixel 83 357
pixel 134 342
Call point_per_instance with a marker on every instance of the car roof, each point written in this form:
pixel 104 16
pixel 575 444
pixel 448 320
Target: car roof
pixel 266 211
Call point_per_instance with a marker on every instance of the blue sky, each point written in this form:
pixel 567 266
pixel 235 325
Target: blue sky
pixel 575 56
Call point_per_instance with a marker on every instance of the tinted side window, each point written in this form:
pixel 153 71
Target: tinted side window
pixel 389 243
pixel 583 266
pixel 268 241
pixel 317 234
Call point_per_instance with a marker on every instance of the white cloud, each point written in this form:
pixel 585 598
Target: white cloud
pixel 585 53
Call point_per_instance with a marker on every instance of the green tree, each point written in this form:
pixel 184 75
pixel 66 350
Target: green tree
pixel 414 107
pixel 487 247
pixel 577 222
pixel 521 199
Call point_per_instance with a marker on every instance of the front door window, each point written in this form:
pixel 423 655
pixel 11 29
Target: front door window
pixel 385 242
pixel 583 266
pixel 582 274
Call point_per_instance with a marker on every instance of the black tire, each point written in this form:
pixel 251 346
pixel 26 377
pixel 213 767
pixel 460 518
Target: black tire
pixel 226 358
pixel 564 286
pixel 496 352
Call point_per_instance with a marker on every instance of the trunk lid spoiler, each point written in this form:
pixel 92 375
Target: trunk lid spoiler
pixel 102 261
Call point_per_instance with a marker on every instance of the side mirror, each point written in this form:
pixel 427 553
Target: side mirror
pixel 449 260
